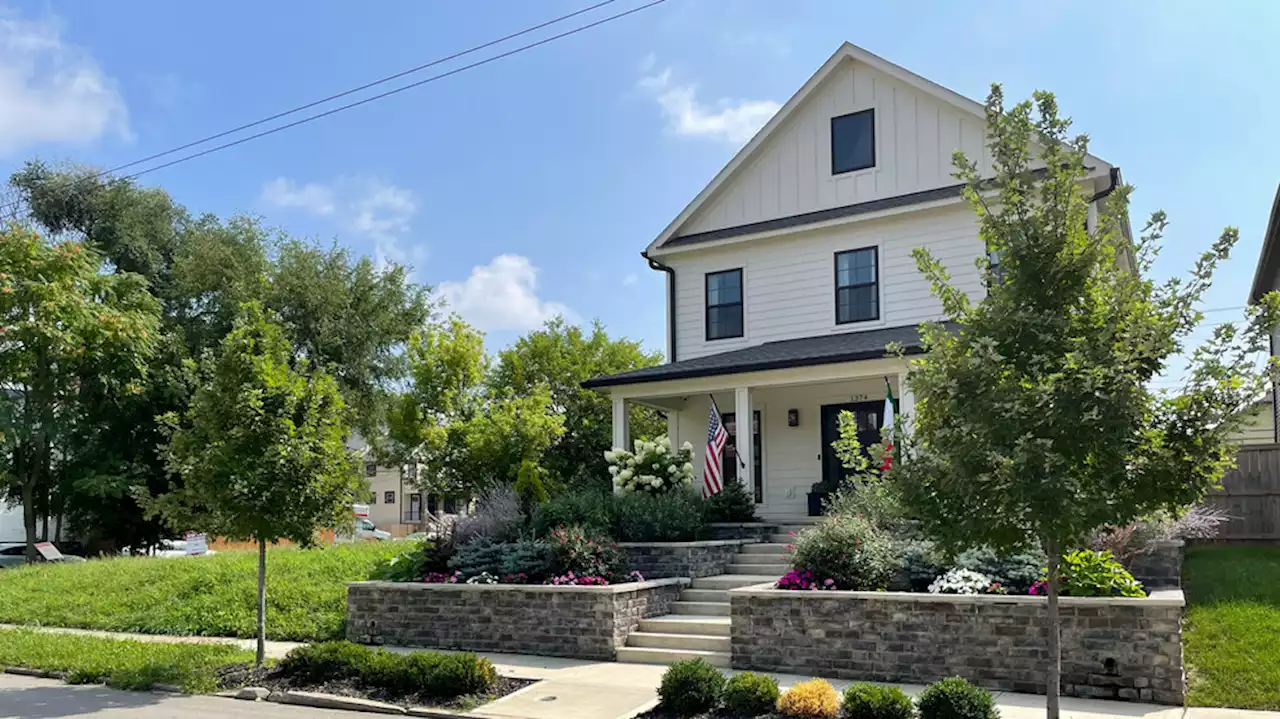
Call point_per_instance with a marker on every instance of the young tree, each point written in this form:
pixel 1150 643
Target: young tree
pixel 1036 421
pixel 63 325
pixel 262 449
pixel 560 357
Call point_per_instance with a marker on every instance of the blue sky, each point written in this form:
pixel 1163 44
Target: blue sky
pixel 528 187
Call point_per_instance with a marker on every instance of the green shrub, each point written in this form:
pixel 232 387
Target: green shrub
pixel 749 694
pixel 1015 571
pixel 852 551
pixel 873 701
pixel 574 550
pixel 919 563
pixel 497 516
pixel 872 498
pixel 955 698
pixel 432 674
pixel 732 504
pixel 326 661
pixel 691 687
pixel 672 517
pixel 529 557
pixel 408 566
pixel 1087 573
pixel 593 510
pixel 529 487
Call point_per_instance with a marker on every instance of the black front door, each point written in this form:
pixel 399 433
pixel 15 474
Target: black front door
pixel 867 415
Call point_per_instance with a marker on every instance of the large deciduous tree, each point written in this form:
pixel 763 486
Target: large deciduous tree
pixel 1036 421
pixel 262 449
pixel 560 357
pixel 467 434
pixel 68 333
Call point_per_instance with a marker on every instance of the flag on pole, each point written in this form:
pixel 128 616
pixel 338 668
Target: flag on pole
pixel 712 471
pixel 887 426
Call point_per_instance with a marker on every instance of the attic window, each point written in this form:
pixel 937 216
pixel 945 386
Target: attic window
pixel 853 142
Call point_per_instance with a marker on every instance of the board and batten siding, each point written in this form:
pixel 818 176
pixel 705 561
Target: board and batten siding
pixel 915 136
pixel 789 281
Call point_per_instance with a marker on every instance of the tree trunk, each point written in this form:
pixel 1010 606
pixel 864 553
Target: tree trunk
pixel 44 527
pixel 1053 682
pixel 29 515
pixel 262 603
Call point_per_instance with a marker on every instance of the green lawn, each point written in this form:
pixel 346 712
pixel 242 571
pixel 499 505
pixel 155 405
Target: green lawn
pixel 1232 638
pixel 208 596
pixel 123 664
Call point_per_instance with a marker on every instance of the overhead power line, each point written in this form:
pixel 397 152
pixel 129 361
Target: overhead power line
pixel 372 98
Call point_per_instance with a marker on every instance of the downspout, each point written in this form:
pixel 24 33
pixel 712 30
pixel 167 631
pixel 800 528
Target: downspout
pixel 671 302
pixel 1115 182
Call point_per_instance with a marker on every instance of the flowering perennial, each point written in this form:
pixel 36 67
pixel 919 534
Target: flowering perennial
pixel 961 581
pixel 653 467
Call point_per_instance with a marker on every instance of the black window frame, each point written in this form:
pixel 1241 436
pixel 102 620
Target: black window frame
pixel 370 469
pixel 836 171
pixel 389 496
pixel 707 306
pixel 835 263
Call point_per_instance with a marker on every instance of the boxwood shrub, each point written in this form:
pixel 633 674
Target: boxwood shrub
pixel 874 701
pixel 691 687
pixel 955 698
pixel 749 694
pixel 431 674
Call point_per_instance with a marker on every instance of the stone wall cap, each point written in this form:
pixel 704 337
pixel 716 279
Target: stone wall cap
pixel 1158 598
pixel 546 588
pixel 680 545
pixel 743 525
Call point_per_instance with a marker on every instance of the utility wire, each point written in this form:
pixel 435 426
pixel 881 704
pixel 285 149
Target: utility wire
pixel 365 101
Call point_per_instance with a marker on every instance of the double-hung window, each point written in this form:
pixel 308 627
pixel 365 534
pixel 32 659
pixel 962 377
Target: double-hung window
pixel 857 285
pixel 724 304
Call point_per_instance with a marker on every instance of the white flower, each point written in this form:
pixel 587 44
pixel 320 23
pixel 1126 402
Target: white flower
pixel 613 469
pixel 687 446
pixel 672 469
pixel 661 448
pixel 688 467
pixel 625 474
pixel 610 455
pixel 960 581
pixel 631 461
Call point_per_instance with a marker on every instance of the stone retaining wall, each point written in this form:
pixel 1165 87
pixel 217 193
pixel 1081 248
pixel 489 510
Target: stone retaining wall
pixel 579 622
pixel 657 560
pixel 1161 568
pixel 1114 648
pixel 758 531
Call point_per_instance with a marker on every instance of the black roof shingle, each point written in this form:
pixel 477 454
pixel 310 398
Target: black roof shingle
pixel 802 352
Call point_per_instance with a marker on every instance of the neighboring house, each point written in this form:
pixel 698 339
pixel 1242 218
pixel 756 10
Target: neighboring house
pixel 1266 278
pixel 790 272
pixel 396 504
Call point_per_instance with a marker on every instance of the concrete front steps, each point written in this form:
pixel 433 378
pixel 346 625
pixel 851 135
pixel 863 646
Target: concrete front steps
pixel 698 625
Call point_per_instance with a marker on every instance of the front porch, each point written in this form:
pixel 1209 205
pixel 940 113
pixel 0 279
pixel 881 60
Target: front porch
pixel 794 412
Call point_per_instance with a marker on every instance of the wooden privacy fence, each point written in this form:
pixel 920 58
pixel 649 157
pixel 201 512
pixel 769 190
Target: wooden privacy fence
pixel 1251 494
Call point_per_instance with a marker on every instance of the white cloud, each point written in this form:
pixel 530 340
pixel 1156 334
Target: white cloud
pixel 369 207
pixel 51 91
pixel 729 120
pixel 630 279
pixel 502 295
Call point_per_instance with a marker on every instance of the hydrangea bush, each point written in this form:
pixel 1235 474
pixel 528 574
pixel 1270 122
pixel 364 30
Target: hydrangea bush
pixel 653 467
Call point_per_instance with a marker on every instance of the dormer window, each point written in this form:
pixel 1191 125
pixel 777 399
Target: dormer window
pixel 853 142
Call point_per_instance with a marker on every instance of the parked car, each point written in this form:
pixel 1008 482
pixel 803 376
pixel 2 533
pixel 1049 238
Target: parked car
pixel 15 555
pixel 365 530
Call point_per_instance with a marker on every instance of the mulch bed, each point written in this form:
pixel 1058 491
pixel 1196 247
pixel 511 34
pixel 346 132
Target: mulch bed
pixel 244 675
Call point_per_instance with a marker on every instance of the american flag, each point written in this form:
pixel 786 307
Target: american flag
pixel 711 469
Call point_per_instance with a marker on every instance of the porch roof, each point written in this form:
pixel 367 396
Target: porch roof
pixel 802 352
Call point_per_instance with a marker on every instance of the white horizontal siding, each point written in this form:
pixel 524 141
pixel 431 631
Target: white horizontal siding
pixel 789 281
pixel 916 135
pixel 1259 428
pixel 792 456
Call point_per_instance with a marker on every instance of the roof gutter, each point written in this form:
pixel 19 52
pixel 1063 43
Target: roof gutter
pixel 671 303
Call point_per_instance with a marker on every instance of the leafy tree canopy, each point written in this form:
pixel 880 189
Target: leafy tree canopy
pixel 561 357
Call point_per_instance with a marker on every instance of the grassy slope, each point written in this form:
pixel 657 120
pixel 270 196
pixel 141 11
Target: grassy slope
pixel 209 596
pixel 1232 637
pixel 123 664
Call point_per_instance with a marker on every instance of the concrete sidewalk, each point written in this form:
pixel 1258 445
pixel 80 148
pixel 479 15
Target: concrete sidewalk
pixel 578 689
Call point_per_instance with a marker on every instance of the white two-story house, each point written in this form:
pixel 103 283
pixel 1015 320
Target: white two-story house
pixel 790 272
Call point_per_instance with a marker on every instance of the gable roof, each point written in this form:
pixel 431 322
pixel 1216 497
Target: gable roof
pixel 1269 258
pixel 846 52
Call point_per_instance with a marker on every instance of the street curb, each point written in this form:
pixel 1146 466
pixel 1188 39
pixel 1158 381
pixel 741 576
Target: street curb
pixel 331 701
pixel 26 672
pixel 167 688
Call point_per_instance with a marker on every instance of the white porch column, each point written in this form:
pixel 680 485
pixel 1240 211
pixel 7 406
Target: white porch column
pixel 906 403
pixel 673 428
pixel 745 438
pixel 621 424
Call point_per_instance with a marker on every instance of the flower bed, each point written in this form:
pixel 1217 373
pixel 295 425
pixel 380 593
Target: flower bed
pixel 1112 647
pixel 585 622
